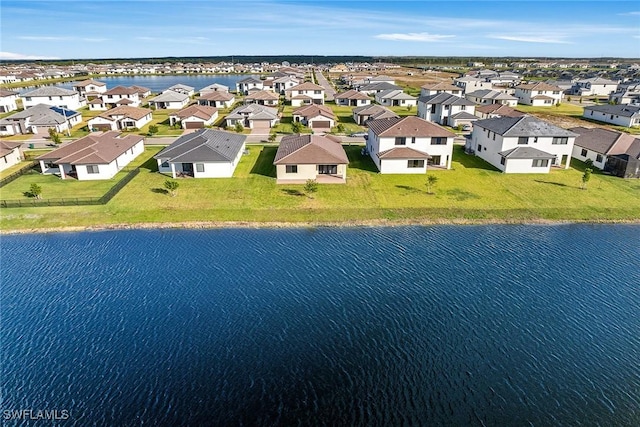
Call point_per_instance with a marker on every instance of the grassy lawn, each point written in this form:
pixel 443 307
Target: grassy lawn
pixel 564 109
pixel 472 190
pixel 56 188
pixel 8 171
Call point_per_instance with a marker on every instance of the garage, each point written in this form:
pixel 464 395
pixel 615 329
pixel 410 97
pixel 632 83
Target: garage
pixel 103 127
pixel 261 126
pixel 321 124
pixel 193 125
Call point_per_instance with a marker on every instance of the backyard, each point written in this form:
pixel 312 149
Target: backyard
pixel 471 191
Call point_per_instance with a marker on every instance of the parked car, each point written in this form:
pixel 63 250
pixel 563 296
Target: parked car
pixel 359 134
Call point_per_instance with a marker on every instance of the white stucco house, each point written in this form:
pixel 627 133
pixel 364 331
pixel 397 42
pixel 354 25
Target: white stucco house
pixel 170 100
pixel 54 96
pixel 305 94
pixel 595 86
pixel 446 109
pixel 352 98
pixel 470 84
pixel 262 97
pixel 120 118
pixel 10 154
pixel 538 94
pixel 435 88
pixel 205 153
pixel 90 88
pixel 245 85
pixel 93 157
pixel 119 96
pixel 217 99
pixel 408 145
pixel 194 117
pixel 303 157
pixel 597 144
pixel 39 119
pixel 315 116
pixel 521 144
pixel 621 115
pixel 395 98
pixel 8 101
pixel 215 87
pixel 371 112
pixel 184 89
pixel 281 84
pixel 489 96
pixel 253 116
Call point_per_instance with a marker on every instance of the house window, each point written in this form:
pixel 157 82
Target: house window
pixel 463 107
pixel 479 147
pixel 199 167
pixel 599 158
pixel 413 139
pixel 291 169
pixel 502 160
pixel 28 98
pixel 540 163
pixel 535 139
pixel 583 153
pixel 415 164
pixel 165 164
pixel 560 140
pixel 317 92
pixel 401 140
pixel 438 141
pixel 92 169
pixel 523 140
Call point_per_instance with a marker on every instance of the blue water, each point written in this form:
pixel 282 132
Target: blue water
pixel 160 83
pixel 468 325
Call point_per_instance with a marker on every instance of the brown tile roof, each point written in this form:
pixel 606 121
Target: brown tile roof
pixel 263 95
pixel 603 141
pixel 407 126
pixel 306 86
pixel 539 86
pixel 352 94
pixel 503 110
pixel 85 83
pixel 6 147
pixel 309 150
pixel 5 92
pixel 201 111
pixel 121 90
pixel 314 110
pixel 403 153
pixel 440 86
pixel 127 111
pixel 217 96
pixel 93 149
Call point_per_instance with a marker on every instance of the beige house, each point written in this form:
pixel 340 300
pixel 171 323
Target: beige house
pixel 194 116
pixel 303 157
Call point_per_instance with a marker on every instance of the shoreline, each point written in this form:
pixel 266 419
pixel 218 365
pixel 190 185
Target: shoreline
pixel 211 225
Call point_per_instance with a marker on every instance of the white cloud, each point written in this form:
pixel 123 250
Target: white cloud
pixel 186 40
pixel 21 56
pixel 630 14
pixel 62 38
pixel 531 38
pixel 414 37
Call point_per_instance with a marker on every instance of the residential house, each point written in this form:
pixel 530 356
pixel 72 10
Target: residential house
pixel 8 101
pixel 93 157
pixel 194 116
pixel 435 88
pixel 488 96
pixel 253 116
pixel 597 144
pixel 217 99
pixel 315 117
pixel 621 115
pixel 281 84
pixel 628 93
pixel 205 153
pixel 594 86
pixel 90 88
pixel 142 91
pixel 625 165
pixel 373 88
pixel 169 100
pixel 245 85
pixel 121 118
pixel 395 98
pixel 352 98
pixel 262 97
pixel 215 87
pixel 470 84
pixel 184 89
pixel 496 110
pixel 303 157
pixel 39 119
pixel 408 145
pixel 55 96
pixel 521 144
pixel 379 79
pixel 371 112
pixel 446 109
pixel 304 94
pixel 10 154
pixel 538 94
pixel 118 96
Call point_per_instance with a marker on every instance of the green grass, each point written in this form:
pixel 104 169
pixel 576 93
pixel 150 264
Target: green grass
pixel 471 191
pixel 564 109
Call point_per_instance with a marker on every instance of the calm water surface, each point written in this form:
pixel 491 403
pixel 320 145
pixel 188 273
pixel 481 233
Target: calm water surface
pixel 486 325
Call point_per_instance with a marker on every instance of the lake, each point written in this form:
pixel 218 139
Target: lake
pixel 499 325
pixel 158 84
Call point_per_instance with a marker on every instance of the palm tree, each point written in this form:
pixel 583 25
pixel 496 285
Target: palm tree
pixel 172 186
pixel 431 181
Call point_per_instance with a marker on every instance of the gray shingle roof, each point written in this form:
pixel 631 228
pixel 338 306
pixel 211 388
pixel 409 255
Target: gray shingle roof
pixel 49 91
pixel 526 153
pixel 252 110
pixel 170 96
pixel 43 115
pixel 444 99
pixel 522 126
pixel 619 110
pixel 395 94
pixel 205 145
pixel 603 141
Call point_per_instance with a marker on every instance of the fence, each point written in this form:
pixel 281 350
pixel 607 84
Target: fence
pixel 25 169
pixel 73 201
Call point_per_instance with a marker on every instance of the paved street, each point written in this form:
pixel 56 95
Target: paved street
pixel 328 89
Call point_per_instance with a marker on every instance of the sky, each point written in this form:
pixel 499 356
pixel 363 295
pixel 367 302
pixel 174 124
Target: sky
pixel 75 29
